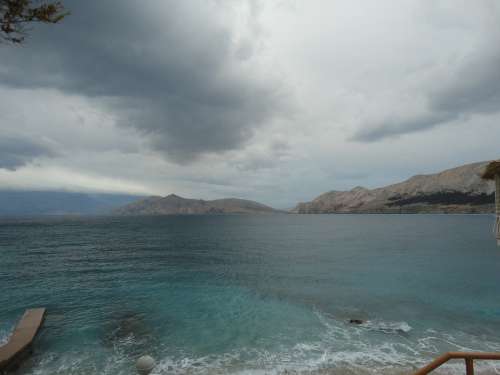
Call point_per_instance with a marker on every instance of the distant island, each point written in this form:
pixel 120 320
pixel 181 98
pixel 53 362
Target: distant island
pixel 457 190
pixel 175 205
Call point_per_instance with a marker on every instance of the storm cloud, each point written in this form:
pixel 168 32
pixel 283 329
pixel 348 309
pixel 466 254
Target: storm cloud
pixel 173 70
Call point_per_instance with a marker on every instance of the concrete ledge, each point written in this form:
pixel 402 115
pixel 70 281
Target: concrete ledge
pixel 20 341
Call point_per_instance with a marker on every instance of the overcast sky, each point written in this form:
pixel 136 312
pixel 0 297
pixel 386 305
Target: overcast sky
pixel 276 101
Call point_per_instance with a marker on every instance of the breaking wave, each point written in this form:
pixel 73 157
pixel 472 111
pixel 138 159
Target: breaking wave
pixel 387 327
pixel 4 337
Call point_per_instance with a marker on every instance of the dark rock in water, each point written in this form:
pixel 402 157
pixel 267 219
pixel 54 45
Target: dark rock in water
pixel 131 325
pixel 130 331
pixel 356 321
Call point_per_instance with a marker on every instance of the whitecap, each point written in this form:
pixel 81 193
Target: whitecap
pixel 387 327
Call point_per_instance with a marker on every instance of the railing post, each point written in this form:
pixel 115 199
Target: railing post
pixel 469 366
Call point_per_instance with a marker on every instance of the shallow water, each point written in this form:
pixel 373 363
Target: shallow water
pixel 252 294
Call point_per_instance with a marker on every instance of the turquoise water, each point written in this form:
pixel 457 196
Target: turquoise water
pixel 252 294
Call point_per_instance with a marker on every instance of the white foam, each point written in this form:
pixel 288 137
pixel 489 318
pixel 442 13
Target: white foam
pixel 388 327
pixel 5 335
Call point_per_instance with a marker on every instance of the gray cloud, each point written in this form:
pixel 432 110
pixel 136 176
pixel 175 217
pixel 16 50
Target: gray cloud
pixel 467 86
pixel 166 68
pixel 16 152
pixel 472 88
pixel 265 158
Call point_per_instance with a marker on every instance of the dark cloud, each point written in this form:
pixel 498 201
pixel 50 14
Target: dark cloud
pixel 470 86
pixel 16 152
pixel 402 125
pixel 167 68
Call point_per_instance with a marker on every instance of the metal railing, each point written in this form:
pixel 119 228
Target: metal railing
pixel 468 357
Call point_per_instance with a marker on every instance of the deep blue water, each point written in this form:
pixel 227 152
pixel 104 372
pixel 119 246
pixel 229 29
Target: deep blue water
pixel 236 294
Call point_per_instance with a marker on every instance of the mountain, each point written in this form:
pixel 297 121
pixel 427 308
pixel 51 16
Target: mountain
pixel 457 190
pixel 174 205
pixel 22 203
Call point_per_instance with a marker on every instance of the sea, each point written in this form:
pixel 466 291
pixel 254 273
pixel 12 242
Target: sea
pixel 252 294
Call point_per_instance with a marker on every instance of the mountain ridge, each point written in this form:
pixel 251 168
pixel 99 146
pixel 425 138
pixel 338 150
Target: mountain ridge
pixel 455 190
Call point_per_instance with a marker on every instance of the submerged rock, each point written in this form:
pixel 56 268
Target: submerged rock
pixel 356 321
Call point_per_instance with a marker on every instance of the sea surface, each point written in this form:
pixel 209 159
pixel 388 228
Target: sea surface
pixel 262 294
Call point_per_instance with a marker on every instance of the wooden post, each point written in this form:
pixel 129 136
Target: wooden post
pixel 469 366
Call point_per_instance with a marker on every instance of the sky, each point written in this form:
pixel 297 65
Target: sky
pixel 274 100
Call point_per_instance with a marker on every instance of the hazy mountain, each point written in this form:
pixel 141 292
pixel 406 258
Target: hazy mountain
pixel 457 190
pixel 173 204
pixel 21 203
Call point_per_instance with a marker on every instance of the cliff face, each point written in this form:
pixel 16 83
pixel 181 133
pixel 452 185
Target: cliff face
pixel 457 190
pixel 175 205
